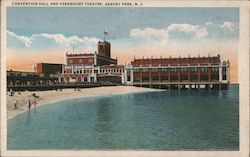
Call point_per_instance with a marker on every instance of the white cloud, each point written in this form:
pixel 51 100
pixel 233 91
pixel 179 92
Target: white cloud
pixel 227 25
pixel 23 39
pixel 139 37
pixel 199 31
pixel 149 33
pixel 53 39
pixel 182 27
pixel 163 33
pixel 62 40
pixel 202 32
pixel 209 23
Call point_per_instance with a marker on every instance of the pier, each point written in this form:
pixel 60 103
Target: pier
pixel 183 85
pixel 179 73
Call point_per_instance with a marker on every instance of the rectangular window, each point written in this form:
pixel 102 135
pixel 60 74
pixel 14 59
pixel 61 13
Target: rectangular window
pixel 154 70
pixel 183 69
pixel 164 69
pixel 202 69
pixel 145 70
pixel 223 68
pixel 205 69
pixel 175 69
pixel 224 77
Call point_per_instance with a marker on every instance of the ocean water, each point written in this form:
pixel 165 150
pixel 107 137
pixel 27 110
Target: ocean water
pixel 167 120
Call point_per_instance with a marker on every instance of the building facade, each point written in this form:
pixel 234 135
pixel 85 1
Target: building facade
pixel 85 67
pixel 181 72
pixel 48 68
pixel 22 78
pixel 209 72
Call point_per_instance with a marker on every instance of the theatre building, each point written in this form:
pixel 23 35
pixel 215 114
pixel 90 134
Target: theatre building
pixel 187 72
pixel 87 67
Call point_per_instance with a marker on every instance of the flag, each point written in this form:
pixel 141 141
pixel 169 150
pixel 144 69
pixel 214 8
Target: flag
pixel 106 33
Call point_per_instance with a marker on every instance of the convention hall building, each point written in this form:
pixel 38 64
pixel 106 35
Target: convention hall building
pixel 181 72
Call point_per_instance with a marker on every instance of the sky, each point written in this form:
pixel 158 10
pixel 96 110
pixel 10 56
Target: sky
pixel 37 34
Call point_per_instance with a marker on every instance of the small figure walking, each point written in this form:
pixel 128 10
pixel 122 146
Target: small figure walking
pixel 29 105
pixel 35 103
pixel 12 93
pixel 15 105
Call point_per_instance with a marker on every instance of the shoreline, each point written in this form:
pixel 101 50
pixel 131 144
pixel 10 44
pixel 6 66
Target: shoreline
pixel 53 96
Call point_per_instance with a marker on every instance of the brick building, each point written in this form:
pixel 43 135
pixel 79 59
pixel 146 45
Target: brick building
pixel 48 68
pixel 104 49
pixel 84 67
pixel 179 71
pixel 30 78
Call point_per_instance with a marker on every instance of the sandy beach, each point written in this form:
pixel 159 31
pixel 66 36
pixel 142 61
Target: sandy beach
pixel 52 96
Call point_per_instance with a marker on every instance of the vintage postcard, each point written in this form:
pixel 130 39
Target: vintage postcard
pixel 124 78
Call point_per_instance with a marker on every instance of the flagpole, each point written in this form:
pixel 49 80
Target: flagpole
pixel 104 33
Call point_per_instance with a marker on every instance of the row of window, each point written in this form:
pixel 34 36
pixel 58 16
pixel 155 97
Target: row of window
pixel 111 70
pixel 80 61
pixel 183 69
pixel 78 71
pixel 96 71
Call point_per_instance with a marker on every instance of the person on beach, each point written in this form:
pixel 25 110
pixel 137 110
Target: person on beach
pixel 15 105
pixel 35 103
pixel 35 96
pixel 12 93
pixel 29 105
